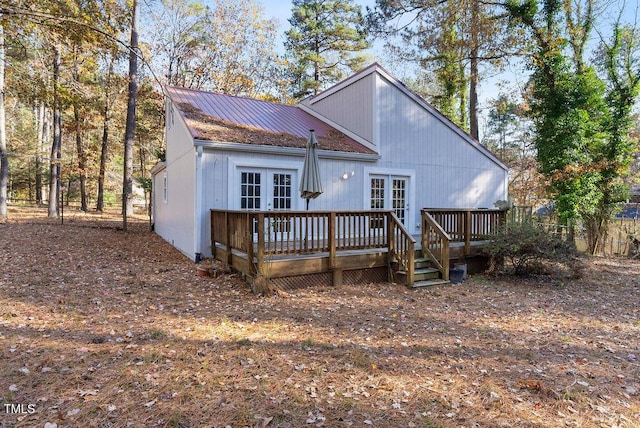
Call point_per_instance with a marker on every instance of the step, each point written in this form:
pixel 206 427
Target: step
pixel 423 274
pixel 429 283
pixel 422 262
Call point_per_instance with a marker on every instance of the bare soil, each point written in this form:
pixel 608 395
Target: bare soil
pixel 105 328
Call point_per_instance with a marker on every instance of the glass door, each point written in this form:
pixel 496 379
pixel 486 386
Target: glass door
pixel 268 190
pixel 389 192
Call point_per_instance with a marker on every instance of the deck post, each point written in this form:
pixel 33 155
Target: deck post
pixel 336 274
pixel 331 231
pixel 260 264
pixel 390 244
pixel 391 238
pixel 227 237
pixel 213 234
pixel 411 262
pixel 467 233
pixel 336 277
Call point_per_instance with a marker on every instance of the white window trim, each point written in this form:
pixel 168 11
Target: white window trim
pixel 165 187
pixel 234 170
pixel 369 173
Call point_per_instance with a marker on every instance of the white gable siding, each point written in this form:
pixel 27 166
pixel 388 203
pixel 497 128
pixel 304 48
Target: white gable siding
pixel 175 219
pixel 450 171
pixel 351 107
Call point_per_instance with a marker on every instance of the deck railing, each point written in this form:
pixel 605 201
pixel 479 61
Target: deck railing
pixel 435 244
pixel 468 225
pixel 262 234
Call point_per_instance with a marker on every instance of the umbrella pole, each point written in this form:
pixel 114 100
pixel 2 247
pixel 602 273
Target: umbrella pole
pixel 306 230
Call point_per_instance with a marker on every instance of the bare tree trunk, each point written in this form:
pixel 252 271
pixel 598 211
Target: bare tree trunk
pixel 82 158
pixel 56 146
pixel 39 128
pixel 4 159
pixel 473 72
pixel 103 158
pixel 104 152
pixel 129 135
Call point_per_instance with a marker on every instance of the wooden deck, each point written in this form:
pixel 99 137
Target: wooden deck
pixel 339 245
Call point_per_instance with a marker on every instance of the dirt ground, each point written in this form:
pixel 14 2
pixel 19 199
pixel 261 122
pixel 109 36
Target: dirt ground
pixel 105 328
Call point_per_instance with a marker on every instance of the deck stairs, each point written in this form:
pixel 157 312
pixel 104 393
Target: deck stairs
pixel 424 274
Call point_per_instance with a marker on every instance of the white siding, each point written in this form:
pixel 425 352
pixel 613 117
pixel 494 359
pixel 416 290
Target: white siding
pixel 351 107
pixel 220 181
pixel 174 219
pixel 450 171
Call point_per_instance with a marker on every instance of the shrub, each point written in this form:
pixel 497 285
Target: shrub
pixel 522 249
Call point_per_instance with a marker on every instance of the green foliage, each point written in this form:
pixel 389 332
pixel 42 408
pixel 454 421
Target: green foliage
pixel 582 121
pixel 524 246
pixel 449 41
pixel 323 43
pixel 144 182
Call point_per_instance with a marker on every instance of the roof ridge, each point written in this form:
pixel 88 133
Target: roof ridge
pixel 241 97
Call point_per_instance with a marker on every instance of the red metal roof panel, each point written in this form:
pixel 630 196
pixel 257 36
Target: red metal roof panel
pixel 227 118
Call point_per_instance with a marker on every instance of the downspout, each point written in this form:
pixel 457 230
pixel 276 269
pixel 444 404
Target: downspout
pixel 198 208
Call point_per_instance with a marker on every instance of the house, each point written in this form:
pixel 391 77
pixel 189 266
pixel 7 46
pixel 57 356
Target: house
pixel 380 146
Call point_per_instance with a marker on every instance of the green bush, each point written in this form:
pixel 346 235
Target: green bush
pixel 525 248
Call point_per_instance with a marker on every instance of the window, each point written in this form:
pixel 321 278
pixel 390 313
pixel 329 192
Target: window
pixel 250 191
pixel 377 201
pixel 398 198
pixel 390 192
pixel 377 193
pixel 281 191
pixel 164 188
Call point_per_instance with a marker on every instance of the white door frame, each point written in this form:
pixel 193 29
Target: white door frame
pixel 410 192
pixel 236 168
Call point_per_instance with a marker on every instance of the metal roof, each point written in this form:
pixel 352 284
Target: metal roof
pixel 227 118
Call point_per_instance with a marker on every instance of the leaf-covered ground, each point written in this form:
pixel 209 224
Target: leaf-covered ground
pixel 104 328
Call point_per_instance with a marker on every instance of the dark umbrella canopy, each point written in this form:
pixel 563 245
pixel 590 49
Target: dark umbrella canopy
pixel 310 184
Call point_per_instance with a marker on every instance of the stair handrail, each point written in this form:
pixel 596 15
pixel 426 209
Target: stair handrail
pixel 401 246
pixel 436 249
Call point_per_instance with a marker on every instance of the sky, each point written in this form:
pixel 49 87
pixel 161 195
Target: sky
pixel 512 78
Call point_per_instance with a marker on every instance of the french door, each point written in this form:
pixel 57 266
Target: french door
pixel 268 190
pixel 390 192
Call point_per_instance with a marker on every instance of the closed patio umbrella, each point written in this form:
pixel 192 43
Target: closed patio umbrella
pixel 310 184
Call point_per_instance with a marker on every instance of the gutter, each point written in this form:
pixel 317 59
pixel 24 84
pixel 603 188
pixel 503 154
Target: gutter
pixel 286 151
pixel 158 167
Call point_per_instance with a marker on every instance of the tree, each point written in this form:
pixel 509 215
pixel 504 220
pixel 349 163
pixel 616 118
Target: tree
pixel 325 41
pixel 56 146
pixel 106 79
pixel 503 128
pixel 129 134
pixel 178 37
pixel 581 124
pixel 508 135
pixel 64 24
pixel 228 47
pixel 4 159
pixel 449 40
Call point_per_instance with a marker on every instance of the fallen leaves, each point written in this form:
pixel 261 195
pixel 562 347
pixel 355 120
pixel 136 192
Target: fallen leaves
pixel 97 325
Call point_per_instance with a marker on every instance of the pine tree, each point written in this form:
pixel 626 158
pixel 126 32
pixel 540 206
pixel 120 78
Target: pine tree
pixel 325 42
